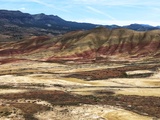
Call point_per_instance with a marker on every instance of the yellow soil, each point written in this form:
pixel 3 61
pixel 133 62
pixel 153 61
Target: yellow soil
pixel 138 72
pixel 125 115
pixel 90 112
pixel 140 91
pixel 5 91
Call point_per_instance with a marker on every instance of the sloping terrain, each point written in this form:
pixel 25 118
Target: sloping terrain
pixel 99 44
pixel 102 43
pixel 16 25
pixel 99 74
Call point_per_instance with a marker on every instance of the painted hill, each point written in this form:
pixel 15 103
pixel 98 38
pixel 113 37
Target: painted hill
pixel 93 45
pixel 102 43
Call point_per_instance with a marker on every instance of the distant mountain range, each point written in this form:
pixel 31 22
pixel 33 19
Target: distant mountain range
pixel 15 25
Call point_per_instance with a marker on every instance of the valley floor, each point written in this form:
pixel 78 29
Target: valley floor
pixel 31 90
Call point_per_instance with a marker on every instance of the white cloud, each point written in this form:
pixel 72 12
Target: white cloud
pixel 16 1
pixel 87 1
pixel 117 22
pixel 50 5
pixel 97 2
pixel 42 3
pixel 156 10
pixel 23 8
pixel 119 2
pixel 100 12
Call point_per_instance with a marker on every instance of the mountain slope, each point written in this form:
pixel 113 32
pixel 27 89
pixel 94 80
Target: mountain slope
pixel 102 43
pixel 92 45
pixel 15 25
pixel 140 27
pixel 40 21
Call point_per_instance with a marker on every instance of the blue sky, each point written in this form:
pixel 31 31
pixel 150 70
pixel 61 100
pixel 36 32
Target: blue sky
pixel 106 12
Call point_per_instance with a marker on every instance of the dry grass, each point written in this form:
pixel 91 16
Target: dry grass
pixel 29 109
pixel 57 89
pixel 5 111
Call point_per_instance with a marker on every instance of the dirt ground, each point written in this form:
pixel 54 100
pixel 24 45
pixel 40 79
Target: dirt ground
pixel 31 90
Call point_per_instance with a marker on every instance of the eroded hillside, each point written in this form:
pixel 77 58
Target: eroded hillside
pixel 99 44
pixel 99 74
